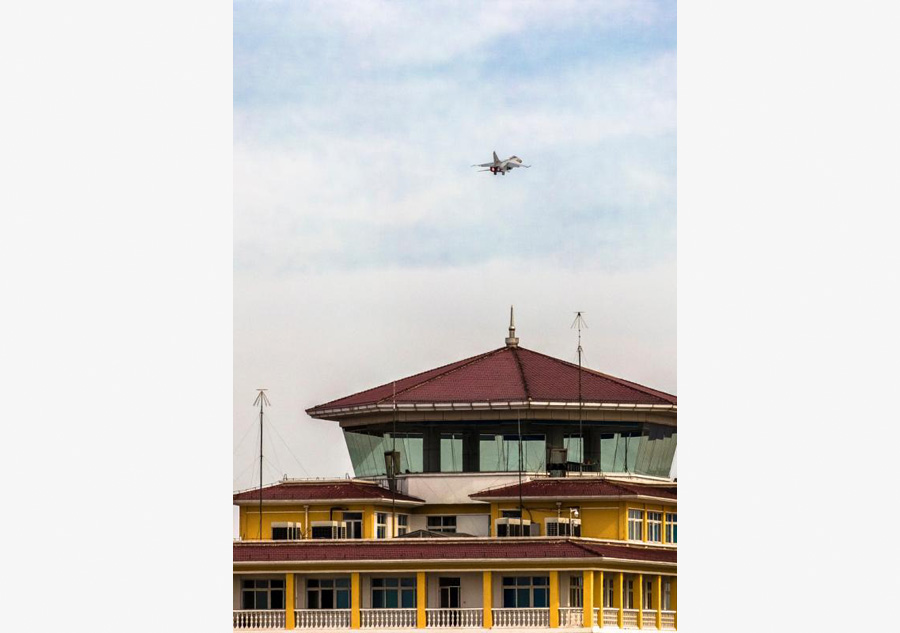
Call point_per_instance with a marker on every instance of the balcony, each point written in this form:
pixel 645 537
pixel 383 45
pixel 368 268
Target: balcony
pixel 454 618
pixel 322 618
pixel 571 616
pixel 258 619
pixel 388 618
pixel 521 618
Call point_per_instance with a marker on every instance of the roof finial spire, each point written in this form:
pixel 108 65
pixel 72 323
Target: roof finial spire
pixel 511 340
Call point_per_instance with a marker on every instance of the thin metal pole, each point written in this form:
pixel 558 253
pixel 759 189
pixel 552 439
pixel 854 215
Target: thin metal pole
pixel 260 467
pixel 261 399
pixel 521 508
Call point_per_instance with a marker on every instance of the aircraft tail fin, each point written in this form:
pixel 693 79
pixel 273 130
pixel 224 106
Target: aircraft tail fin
pixel 496 160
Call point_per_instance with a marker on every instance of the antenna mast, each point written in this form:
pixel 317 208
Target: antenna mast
pixel 578 322
pixel 261 400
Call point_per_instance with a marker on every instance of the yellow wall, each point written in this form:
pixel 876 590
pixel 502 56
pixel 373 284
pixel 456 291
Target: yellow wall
pixel 599 518
pixel 249 517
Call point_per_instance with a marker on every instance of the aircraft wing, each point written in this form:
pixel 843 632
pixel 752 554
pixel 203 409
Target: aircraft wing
pixel 484 165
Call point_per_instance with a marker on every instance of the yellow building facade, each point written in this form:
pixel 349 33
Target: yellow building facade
pixel 508 490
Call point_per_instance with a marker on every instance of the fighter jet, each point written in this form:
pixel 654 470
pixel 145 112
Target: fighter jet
pixel 502 166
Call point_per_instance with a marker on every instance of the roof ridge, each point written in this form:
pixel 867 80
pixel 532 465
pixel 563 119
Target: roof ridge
pixel 625 383
pixel 525 388
pixel 459 365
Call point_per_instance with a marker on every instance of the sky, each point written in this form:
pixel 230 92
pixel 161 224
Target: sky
pixel 366 247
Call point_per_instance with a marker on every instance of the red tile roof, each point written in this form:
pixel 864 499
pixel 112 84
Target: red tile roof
pixel 504 375
pixel 323 491
pixel 578 488
pixel 419 549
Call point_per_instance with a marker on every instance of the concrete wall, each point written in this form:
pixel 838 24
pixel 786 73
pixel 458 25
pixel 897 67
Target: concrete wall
pixel 450 488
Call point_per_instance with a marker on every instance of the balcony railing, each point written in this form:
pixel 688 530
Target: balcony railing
pixel 610 616
pixel 521 617
pixel 571 616
pixel 668 620
pixel 322 618
pixel 388 618
pixel 629 621
pixel 649 619
pixel 258 619
pixel 454 618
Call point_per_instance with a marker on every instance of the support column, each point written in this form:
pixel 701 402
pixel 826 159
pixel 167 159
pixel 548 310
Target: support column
pixel 598 596
pixel 486 599
pixel 619 596
pixel 471 452
pixel 431 448
pixel 368 527
pixel 355 593
pixel 290 601
pixel 554 599
pixel 587 598
pixel 639 597
pixel 674 605
pixel 421 594
pixel 657 600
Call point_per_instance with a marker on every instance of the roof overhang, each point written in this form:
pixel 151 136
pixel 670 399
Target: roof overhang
pixel 505 405
pixel 327 502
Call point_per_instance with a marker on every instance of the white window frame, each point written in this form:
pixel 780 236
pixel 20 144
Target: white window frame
pixel 671 527
pixel 654 526
pixel 635 523
pixel 381 524
pixel 609 592
pixel 666 594
pixel 402 524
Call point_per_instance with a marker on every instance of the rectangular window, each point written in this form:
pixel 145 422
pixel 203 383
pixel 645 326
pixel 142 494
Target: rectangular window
pixel 647 595
pixel 576 591
pixel 380 525
pixel 609 595
pixel 635 525
pixel 286 532
pixel 262 594
pixel 654 527
pixel 671 527
pixel 523 592
pixel 510 514
pixel 394 593
pixel 402 524
pixel 500 453
pixel 666 594
pixel 328 593
pixel 442 524
pixel 629 594
pixel 354 521
pixel 451 453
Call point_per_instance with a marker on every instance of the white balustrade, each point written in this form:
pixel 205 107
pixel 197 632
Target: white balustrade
pixel 521 617
pixel 629 620
pixel 649 621
pixel 322 618
pixel 258 619
pixel 595 616
pixel 668 620
pixel 610 617
pixel 453 618
pixel 388 618
pixel 571 616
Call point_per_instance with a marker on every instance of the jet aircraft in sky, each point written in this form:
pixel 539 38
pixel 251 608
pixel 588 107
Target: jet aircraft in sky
pixel 502 166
